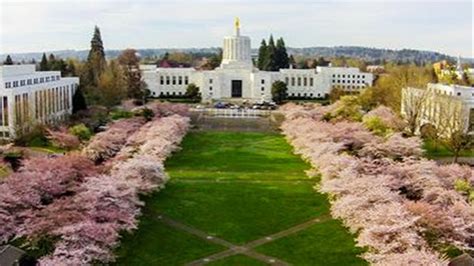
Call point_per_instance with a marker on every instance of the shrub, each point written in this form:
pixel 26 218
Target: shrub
pixel 32 137
pixel 462 186
pixel 81 131
pixel 118 114
pixel 376 125
pixel 148 114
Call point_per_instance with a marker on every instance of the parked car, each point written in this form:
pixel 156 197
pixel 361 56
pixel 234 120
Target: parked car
pixel 220 105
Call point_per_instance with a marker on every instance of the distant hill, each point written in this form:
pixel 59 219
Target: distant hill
pixel 369 54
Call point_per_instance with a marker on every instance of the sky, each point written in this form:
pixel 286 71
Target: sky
pixel 37 26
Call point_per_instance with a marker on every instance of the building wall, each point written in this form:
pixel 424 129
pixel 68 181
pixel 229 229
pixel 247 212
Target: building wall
pixel 447 107
pixel 27 97
pixel 216 84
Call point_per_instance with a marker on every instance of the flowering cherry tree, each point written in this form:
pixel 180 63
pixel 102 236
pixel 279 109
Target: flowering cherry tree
pixel 82 203
pixel 381 187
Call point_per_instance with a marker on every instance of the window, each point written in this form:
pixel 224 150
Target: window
pixel 58 77
pixel 292 81
pixel 210 81
pixel 162 80
pixel 286 80
pixel 263 89
pixel 167 80
pixel 299 81
pixel 47 79
pixel 311 82
pixel 29 82
pixel 22 82
pixel 210 88
pixel 174 80
pixel 186 80
pixel 333 81
pixel 36 81
pixel 180 80
pixel 459 94
pixel 41 80
pixel 263 81
pixel 343 76
pixel 15 84
pixel 8 85
pixel 305 81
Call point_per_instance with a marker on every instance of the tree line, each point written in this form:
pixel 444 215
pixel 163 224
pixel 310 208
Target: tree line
pixel 271 56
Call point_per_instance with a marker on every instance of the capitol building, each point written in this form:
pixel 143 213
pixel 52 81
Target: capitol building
pixel 237 77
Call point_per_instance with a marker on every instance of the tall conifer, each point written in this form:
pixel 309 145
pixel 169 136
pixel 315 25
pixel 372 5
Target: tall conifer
pixel 262 55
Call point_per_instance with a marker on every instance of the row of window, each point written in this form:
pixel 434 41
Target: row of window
pixel 23 82
pixel 349 76
pixel 305 95
pixel 451 93
pixel 348 81
pixel 179 93
pixel 299 81
pixel 349 86
pixel 174 80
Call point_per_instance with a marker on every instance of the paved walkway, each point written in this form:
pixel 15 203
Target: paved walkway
pixel 232 249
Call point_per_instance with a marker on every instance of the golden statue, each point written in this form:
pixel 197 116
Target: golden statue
pixel 237 23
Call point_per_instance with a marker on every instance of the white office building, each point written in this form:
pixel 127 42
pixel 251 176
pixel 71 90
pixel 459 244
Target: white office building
pixel 237 77
pixel 28 96
pixel 446 107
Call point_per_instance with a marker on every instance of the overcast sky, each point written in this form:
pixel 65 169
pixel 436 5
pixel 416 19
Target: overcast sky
pixel 36 26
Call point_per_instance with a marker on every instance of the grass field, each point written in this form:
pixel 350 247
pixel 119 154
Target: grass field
pixel 239 187
pixel 439 151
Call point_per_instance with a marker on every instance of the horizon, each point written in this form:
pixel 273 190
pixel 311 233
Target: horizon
pixel 52 27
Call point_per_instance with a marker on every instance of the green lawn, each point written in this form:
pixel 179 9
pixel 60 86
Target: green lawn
pixel 239 187
pixel 321 244
pixel 439 151
pixel 224 155
pixel 158 244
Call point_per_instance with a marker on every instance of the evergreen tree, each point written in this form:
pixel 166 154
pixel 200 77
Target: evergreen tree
pixel 262 55
pixel 96 62
pixel 94 67
pixel 8 61
pixel 291 61
pixel 78 101
pixel 44 66
pixel 281 56
pixel 270 64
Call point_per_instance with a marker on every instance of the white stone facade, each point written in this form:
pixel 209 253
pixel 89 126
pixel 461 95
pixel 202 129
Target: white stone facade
pixel 28 96
pixel 238 78
pixel 436 102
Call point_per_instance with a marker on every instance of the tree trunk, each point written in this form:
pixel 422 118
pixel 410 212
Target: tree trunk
pixel 456 156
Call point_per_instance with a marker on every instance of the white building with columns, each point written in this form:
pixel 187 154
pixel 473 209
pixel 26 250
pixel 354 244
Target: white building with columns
pixel 28 96
pixel 238 78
